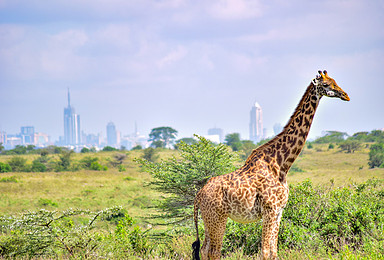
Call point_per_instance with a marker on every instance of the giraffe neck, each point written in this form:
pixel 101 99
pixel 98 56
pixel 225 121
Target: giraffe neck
pixel 286 146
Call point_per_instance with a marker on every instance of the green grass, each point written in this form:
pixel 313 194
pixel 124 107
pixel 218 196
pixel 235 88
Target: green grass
pixel 320 165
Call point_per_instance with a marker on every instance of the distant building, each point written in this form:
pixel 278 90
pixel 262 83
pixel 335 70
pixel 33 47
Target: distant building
pixel 111 135
pixel 40 139
pixel 256 123
pixel 277 128
pixel 92 140
pixel 71 125
pixel 217 131
pixel 3 137
pixel 27 135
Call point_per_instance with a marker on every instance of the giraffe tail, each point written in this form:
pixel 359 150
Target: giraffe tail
pixel 196 244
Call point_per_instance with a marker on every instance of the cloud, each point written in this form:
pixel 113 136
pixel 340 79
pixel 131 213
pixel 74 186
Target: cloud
pixel 235 9
pixel 172 57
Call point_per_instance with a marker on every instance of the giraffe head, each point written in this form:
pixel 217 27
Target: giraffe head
pixel 326 86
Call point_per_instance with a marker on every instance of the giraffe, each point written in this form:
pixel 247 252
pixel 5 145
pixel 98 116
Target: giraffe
pixel 259 188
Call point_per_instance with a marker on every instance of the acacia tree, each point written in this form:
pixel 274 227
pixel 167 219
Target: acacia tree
pixel 162 136
pixel 181 178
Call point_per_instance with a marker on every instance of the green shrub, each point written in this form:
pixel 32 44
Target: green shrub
pixel 4 167
pixel 376 155
pixel 18 164
pixel 38 166
pixel 50 234
pixel 9 179
pixel 320 219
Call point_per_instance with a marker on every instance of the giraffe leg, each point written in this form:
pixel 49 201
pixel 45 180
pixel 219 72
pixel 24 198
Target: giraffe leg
pixel 214 233
pixel 269 225
pixel 275 234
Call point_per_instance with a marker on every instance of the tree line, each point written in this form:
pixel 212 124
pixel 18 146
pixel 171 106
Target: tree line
pixel 165 138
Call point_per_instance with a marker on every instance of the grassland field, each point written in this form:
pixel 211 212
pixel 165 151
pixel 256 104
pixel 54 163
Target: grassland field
pixel 96 190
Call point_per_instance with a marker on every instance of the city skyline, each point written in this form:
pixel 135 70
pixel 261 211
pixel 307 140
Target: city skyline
pixel 187 64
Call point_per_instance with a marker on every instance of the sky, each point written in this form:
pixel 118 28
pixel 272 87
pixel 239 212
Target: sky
pixel 188 64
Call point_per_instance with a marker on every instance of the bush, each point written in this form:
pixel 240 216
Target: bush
pixel 4 167
pixel 109 149
pixel 38 166
pixel 320 219
pixel 376 155
pixel 18 164
pixel 50 234
pixel 150 154
pixel 65 160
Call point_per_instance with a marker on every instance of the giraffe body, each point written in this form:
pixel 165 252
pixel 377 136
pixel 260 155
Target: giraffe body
pixel 259 189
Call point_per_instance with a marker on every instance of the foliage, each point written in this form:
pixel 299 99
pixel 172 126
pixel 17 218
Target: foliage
pixel 350 146
pixel 38 166
pixel 137 147
pixel 150 154
pixel 331 137
pixel 5 167
pixel 65 159
pixel 18 164
pixel 187 140
pixel 84 150
pixel 247 146
pixel 376 155
pixel 92 163
pixel 9 179
pixel 162 137
pixel 373 136
pixel 181 178
pixel 320 219
pixel 70 234
pixel 109 149
pixel 233 140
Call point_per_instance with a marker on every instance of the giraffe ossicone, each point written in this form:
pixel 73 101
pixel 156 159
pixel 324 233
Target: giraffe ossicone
pixel 259 188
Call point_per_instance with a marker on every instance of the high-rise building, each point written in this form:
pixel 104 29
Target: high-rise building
pixel 256 123
pixel 111 135
pixel 27 135
pixel 71 125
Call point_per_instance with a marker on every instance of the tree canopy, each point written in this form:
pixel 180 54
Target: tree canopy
pixel 181 178
pixel 162 137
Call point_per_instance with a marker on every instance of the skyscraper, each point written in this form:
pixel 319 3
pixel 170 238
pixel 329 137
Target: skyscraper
pixel 256 123
pixel 71 125
pixel 111 135
pixel 27 134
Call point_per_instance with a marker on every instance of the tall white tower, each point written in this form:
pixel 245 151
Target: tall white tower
pixel 256 123
pixel 71 125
